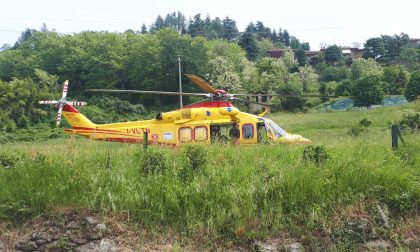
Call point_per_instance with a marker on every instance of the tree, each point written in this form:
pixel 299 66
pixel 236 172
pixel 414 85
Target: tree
pixel 222 75
pixel 249 43
pixel 308 76
pixel 143 29
pixel 362 67
pixel 374 48
pixel 291 103
pixel 300 56
pixel 286 38
pixel 230 30
pixel 396 80
pixel 305 46
pixel 263 46
pixel 332 55
pixel 412 90
pixel 294 42
pixel 368 91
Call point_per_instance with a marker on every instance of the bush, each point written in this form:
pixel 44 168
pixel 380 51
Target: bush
pixel 315 154
pixel 410 121
pixel 356 129
pixel 291 103
pixel 412 91
pixel 7 160
pixel 153 161
pixel 196 158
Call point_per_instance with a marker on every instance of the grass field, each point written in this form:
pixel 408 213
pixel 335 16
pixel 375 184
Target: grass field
pixel 237 193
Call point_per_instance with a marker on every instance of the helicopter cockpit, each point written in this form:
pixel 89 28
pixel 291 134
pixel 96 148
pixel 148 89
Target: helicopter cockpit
pixel 278 134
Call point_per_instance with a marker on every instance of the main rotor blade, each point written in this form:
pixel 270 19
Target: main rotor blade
pixel 202 83
pixel 246 101
pixel 48 102
pixel 65 88
pixel 197 102
pixel 147 92
pixel 60 110
pixel 76 103
pixel 292 95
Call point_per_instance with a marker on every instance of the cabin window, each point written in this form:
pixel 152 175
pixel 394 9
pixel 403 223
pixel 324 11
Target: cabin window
pixel 248 131
pixel 185 134
pixel 200 133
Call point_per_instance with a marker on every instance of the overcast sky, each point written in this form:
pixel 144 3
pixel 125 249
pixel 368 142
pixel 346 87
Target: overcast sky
pixel 316 22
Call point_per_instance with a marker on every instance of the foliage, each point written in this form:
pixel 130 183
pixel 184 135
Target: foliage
pixel 396 80
pixel 368 91
pixel 19 100
pixel 356 129
pixel 385 48
pixel 245 191
pixel 291 103
pixel 153 161
pixel 315 153
pixel 333 55
pixel 39 132
pixel 412 90
pixel 300 57
pixel 249 43
pixel 222 75
pixel 344 88
pixel 308 76
pixel 410 121
pixel 362 68
pixel 8 160
pixel 196 158
pixel 334 73
pixel 373 48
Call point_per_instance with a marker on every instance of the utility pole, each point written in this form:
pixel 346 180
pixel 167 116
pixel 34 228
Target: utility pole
pixel 180 84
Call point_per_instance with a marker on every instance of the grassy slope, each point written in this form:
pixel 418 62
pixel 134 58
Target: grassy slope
pixel 241 192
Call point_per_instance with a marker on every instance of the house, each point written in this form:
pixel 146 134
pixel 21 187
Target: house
pixel 414 42
pixel 353 52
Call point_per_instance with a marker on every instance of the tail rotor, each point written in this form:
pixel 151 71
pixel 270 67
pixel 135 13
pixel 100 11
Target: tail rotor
pixel 63 101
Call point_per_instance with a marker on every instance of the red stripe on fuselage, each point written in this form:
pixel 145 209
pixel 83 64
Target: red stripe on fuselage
pixel 212 104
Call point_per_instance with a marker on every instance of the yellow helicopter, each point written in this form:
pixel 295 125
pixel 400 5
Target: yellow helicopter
pixel 212 120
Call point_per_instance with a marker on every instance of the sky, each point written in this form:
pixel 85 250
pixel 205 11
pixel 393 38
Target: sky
pixel 322 22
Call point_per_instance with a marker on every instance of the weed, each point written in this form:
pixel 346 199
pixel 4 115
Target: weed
pixel 153 162
pixel 410 122
pixel 8 160
pixel 315 154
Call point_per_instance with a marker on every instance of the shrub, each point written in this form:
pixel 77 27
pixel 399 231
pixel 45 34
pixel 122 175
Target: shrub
pixel 410 121
pixel 153 161
pixel 315 154
pixel 196 158
pixel 8 160
pixel 412 91
pixel 365 123
pixel 356 129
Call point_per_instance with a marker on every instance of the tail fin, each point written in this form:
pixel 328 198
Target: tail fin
pixel 75 118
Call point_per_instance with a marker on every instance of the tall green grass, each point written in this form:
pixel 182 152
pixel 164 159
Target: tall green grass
pixel 240 191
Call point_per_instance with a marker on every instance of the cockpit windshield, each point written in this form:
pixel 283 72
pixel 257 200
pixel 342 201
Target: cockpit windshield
pixel 274 128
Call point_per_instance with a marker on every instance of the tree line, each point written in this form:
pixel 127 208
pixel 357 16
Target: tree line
pixel 34 68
